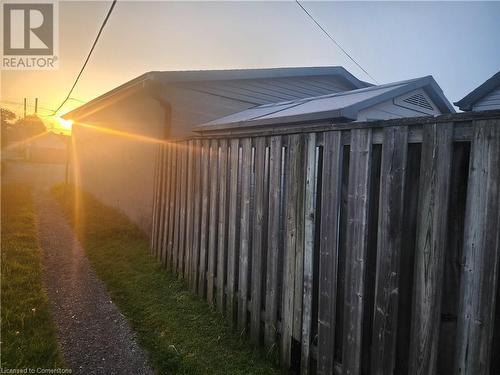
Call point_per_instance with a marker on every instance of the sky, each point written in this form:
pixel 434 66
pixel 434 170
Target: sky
pixel 456 42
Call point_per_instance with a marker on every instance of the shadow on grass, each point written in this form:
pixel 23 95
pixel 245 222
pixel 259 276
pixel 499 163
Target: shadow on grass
pixel 179 330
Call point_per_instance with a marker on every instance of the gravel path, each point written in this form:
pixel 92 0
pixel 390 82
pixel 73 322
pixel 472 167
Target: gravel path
pixel 94 336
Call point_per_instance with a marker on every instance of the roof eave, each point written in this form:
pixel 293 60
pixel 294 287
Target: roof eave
pixel 465 104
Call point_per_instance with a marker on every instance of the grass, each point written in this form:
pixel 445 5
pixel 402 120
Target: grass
pixel 28 333
pixel 179 330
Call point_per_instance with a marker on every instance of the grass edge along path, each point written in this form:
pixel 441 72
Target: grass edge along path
pixel 29 338
pixel 180 332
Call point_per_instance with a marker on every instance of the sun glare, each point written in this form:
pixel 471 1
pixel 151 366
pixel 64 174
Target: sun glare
pixel 63 123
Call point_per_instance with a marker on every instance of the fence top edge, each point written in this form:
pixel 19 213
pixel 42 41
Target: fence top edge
pixel 322 126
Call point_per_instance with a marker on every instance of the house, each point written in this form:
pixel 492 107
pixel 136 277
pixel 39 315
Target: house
pixel 411 98
pixel 483 98
pixel 115 134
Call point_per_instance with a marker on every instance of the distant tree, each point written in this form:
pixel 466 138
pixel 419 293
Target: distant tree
pixel 7 116
pixel 29 126
pixel 7 119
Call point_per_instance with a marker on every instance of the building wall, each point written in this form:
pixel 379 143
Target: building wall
pixel 489 102
pixel 118 168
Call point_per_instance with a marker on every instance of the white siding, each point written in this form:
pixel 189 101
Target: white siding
pixel 391 110
pixel 118 168
pixel 488 102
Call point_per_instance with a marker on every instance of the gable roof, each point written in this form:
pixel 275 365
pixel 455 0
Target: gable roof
pixel 465 104
pixel 158 78
pixel 342 106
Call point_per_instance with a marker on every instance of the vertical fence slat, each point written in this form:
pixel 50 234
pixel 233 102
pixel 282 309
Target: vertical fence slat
pixel 189 211
pixel 161 204
pixel 357 237
pixel 222 231
pixel 385 318
pixel 232 240
pixel 205 159
pixel 182 214
pixel 246 171
pixel 196 215
pixel 258 236
pixel 309 237
pixel 429 253
pixel 177 213
pixel 212 221
pixel 154 224
pixel 329 248
pixel 481 252
pixel 299 244
pixel 288 290
pixel 166 203
pixel 273 239
pixel 171 204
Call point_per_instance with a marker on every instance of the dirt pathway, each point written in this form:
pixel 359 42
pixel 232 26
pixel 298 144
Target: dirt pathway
pixel 95 337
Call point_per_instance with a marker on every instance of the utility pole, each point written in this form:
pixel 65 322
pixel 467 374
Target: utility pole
pixel 24 107
pixel 36 106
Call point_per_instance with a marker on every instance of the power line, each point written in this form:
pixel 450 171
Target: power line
pixel 21 104
pixel 334 41
pixel 88 56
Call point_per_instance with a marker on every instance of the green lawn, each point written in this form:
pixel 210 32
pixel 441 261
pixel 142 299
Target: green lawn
pixel 180 332
pixel 28 334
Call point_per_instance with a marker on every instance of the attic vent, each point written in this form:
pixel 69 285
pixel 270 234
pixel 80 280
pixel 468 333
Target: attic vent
pixel 418 100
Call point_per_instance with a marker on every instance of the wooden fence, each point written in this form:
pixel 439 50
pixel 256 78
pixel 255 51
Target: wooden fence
pixel 361 248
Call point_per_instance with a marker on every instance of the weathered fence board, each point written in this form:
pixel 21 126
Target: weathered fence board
pixel 309 237
pixel 357 242
pixel 257 239
pixel 202 267
pixel 275 190
pixel 337 247
pixel 394 151
pixel 182 213
pixel 294 159
pixel 329 247
pixel 232 236
pixel 193 278
pixel 222 230
pixel 246 166
pixel 429 255
pixel 481 253
pixel 213 220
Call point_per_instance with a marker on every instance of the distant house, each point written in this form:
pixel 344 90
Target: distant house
pixel 114 133
pixel 49 148
pixel 483 98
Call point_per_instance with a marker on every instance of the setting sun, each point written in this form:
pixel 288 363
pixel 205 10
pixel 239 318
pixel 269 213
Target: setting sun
pixel 63 123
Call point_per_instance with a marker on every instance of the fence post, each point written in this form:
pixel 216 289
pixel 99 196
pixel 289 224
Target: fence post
pixel 432 220
pixel 481 252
